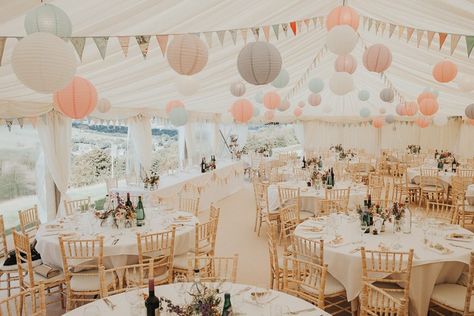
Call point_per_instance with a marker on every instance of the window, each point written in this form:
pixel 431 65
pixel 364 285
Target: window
pixel 165 149
pixel 274 135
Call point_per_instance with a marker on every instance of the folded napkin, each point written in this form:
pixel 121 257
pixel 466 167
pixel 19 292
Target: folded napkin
pixel 47 271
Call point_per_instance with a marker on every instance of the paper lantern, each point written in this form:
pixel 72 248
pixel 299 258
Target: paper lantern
pixel 382 110
pixel 390 118
pixel 282 79
pixel 470 121
pixel 469 111
pixel 400 109
pixel 341 83
pixel 271 100
pixel 428 106
pixel 364 112
pixel 186 85
pixel 237 89
pixel 445 71
pixel 465 83
pixel 301 104
pixel 314 99
pixel 178 116
pixel 48 18
pixel 297 112
pixel 364 95
pixel 77 100
pixel 316 85
pixel 387 95
pixel 173 104
pixel 341 39
pixel 226 118
pixel 377 58
pixel 259 63
pixel 44 62
pixel 411 108
pixel 256 111
pixel 269 115
pixel 187 54
pixel 242 110
pixel 440 120
pixel 345 63
pixel 342 15
pixel 259 97
pixel 422 121
pixel 104 105
pixel 284 105
pixel 425 95
pixel 378 121
pixel 432 90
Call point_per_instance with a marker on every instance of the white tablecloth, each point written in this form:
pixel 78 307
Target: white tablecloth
pixel 414 176
pixel 240 299
pixel 429 267
pixel 125 250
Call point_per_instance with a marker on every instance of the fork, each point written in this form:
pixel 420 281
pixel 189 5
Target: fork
pixel 109 303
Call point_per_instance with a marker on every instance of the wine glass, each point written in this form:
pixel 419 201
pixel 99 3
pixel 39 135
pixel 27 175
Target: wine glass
pixel 363 229
pixel 180 283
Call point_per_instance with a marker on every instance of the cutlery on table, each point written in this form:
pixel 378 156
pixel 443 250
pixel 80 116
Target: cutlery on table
pixel 459 246
pixel 248 288
pixel 300 311
pixel 115 242
pixel 109 303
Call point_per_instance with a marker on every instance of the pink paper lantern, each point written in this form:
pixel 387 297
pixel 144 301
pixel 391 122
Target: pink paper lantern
pixel 345 63
pixel 377 58
pixel 423 122
pixel 425 95
pixel 314 99
pixel 411 108
pixel 77 100
pixel 378 121
pixel 470 121
pixel 173 104
pixel 400 109
pixel 428 106
pixel 297 112
pixel 242 110
pixel 269 115
pixel 342 15
pixel 301 104
pixel 445 71
pixel 271 100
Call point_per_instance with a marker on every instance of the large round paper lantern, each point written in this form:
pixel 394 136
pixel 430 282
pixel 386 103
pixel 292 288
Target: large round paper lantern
pixel 316 85
pixel 364 95
pixel 440 120
pixel 382 110
pixel 77 100
pixel 378 121
pixel 341 39
pixel 364 112
pixel 400 109
pixel 411 108
pixel 314 99
pixel 345 63
pixel 178 116
pixel 428 106
pixel 432 90
pixel 445 71
pixel 48 18
pixel 44 62
pixel 173 104
pixel 271 100
pixel 422 121
pixel 242 110
pixel 187 54
pixel 256 111
pixel 282 79
pixel 342 15
pixel 104 105
pixel 259 63
pixel 297 112
pixel 390 118
pixel 341 83
pixel 259 97
pixel 186 85
pixel 237 89
pixel 377 58
pixel 465 83
pixel 387 95
pixel 269 115
pixel 425 95
pixel 469 111
pixel 284 105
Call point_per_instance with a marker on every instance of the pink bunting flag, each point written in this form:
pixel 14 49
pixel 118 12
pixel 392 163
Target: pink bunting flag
pixel 266 32
pixel 162 42
pixel 401 28
pixel 419 37
pixel 430 38
pixel 442 39
pixel 243 33
pixel 124 43
pixel 410 31
pixel 454 42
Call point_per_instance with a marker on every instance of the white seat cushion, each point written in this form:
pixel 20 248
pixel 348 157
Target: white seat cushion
pixel 332 287
pixel 452 295
pixel 181 262
pixel 88 281
pixel 39 278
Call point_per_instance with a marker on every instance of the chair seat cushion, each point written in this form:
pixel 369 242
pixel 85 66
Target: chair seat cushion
pixel 89 280
pixel 181 262
pixel 333 286
pixel 41 279
pixel 452 295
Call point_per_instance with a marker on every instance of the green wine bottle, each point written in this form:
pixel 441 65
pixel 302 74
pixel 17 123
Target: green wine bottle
pixel 140 212
pixel 227 310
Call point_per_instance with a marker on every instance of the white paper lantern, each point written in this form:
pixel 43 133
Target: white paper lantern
pixel 432 90
pixel 259 97
pixel 44 62
pixel 387 95
pixel 187 85
pixel 284 105
pixel 316 85
pixel 282 79
pixel 470 111
pixel 178 116
pixel 440 120
pixel 48 18
pixel 104 105
pixel 465 83
pixel 390 118
pixel 364 95
pixel 237 89
pixel 187 54
pixel 364 112
pixel 259 63
pixel 342 39
pixel 341 82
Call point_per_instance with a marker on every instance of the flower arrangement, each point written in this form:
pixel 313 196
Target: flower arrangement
pixel 119 214
pixel 397 211
pixel 265 150
pixel 414 149
pixel 152 181
pixel 337 148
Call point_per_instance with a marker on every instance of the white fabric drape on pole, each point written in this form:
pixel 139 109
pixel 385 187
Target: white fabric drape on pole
pixel 139 145
pixel 54 132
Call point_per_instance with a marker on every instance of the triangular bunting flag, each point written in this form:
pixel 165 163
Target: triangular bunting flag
pixel 401 28
pixel 266 32
pixel 256 32
pixel 124 42
pixel 469 44
pixel 391 30
pixel 293 27
pixel 162 42
pixel 208 36
pixel 143 42
pixel 410 31
pixel 370 24
pixel 221 36
pixel 101 43
pixel 382 28
pixel 276 29
pixel 298 25
pixel 306 22
pixel 419 36
pixel 442 39
pixel 365 22
pixel 377 26
pixel 284 27
pixel 20 122
pixel 3 40
pixel 430 38
pixel 454 42
pixel 78 43
pixel 243 33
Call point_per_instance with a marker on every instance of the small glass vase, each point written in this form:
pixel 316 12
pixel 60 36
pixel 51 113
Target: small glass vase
pixel 397 225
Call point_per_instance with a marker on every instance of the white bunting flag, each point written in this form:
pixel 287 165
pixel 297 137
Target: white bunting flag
pixel 101 43
pixel 124 42
pixel 233 34
pixel 79 43
pixel 208 36
pixel 276 29
pixel 221 37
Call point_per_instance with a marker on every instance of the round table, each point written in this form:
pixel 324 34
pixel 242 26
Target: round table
pixel 414 175
pixel 119 253
pixel 429 266
pixel 240 299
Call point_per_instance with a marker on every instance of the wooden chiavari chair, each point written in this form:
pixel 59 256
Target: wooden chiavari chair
pixel 190 205
pixel 288 222
pixel 467 173
pixel 340 197
pixel 262 211
pixel 376 180
pixel 374 298
pixel 71 206
pixel 125 277
pixel 30 302
pixel 276 262
pixel 10 272
pixel 445 212
pixel 214 269
pixel 214 213
pixel 29 222
pixel 431 186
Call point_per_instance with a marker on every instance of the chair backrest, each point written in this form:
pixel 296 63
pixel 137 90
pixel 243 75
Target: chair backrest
pixel 377 302
pixel 308 249
pixel 29 221
pixel 446 212
pixel 376 180
pixel 190 205
pixel 468 173
pixel 205 238
pixel 288 195
pixel 429 172
pixel 23 252
pixel 129 276
pixel 214 269
pixel 214 213
pixel 340 196
pixel 261 196
pixel 3 241
pixel 71 206
pixel 30 302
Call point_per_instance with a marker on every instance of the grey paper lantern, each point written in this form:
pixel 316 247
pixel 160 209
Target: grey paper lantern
pixel 390 118
pixel 470 111
pixel 387 95
pixel 364 95
pixel 259 63
pixel 237 89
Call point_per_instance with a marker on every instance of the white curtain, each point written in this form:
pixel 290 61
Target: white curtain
pixel 54 132
pixel 139 145
pixel 242 131
pixel 466 140
pixel 197 140
pixel 299 132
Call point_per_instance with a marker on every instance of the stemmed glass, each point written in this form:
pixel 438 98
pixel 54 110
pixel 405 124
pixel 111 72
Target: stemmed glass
pixel 363 228
pixel 180 282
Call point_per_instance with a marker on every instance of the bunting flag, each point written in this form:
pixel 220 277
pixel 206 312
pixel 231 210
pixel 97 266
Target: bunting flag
pixel 143 42
pixel 442 39
pixel 307 22
pixel 243 33
pixel 208 36
pixel 233 34
pixel 419 37
pixel 410 31
pixel 162 42
pixel 391 30
pixel 321 21
pixel 3 40
pixel 276 30
pixel 20 122
pixel 370 24
pixel 454 42
pixel 124 42
pixel 266 32
pixel 256 32
pixel 101 43
pixel 293 27
pixel 284 27
pixel 430 38
pixel 377 27
pixel 401 28
pixel 221 37
pixel 78 43
pixel 382 28
pixel 469 44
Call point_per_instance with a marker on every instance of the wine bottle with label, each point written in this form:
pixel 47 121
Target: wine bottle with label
pixel 152 303
pixel 128 203
pixel 140 212
pixel 203 165
pixel 304 162
pixel 227 310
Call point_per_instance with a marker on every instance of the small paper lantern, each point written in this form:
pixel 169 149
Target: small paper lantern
pixel 390 118
pixel 411 108
pixel 378 121
pixel 104 105
pixel 269 115
pixel 422 121
pixel 425 95
pixel 432 90
pixel 465 83
pixel 345 63
pixel 316 85
pixel 173 104
pixel 440 120
pixel 469 111
pixel 282 79
pixel 364 95
pixel 186 85
pixel 301 104
pixel 382 110
pixel 341 83
pixel 428 106
pixel 284 105
pixel 445 71
pixel 364 112
pixel 271 100
pixel 470 121
pixel 314 99
pixel 259 97
pixel 259 63
pixel 237 89
pixel 297 112
pixel 377 58
pixel 48 18
pixel 178 116
pixel 242 110
pixel 400 109
pixel 44 62
pixel 77 100
pixel 187 54
pixel 226 118
pixel 256 111
pixel 387 95
pixel 341 39
pixel 342 15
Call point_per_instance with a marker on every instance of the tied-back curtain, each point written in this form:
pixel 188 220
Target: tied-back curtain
pixel 54 132
pixel 139 145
